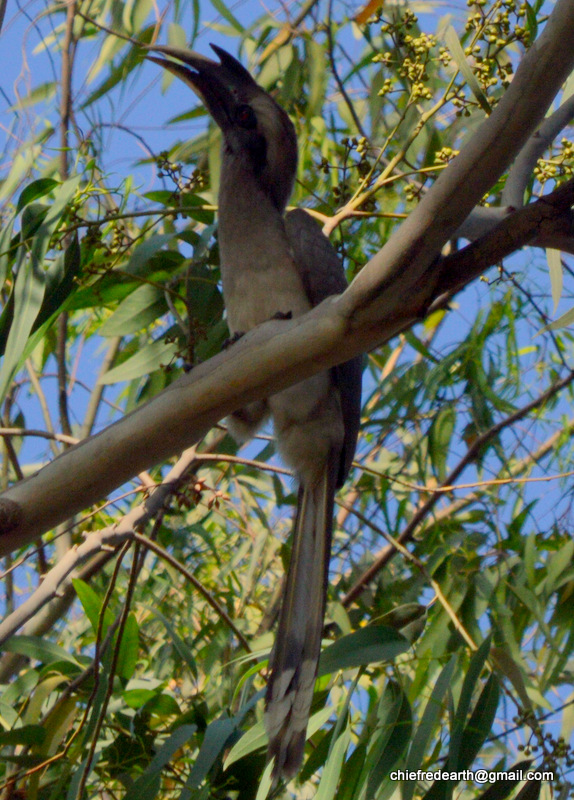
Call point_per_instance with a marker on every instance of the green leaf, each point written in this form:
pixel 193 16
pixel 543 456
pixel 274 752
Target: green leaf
pixel 34 190
pixel 149 358
pixel 253 739
pixel 563 321
pixel 365 646
pixel 60 281
pixel 554 259
pixel 142 254
pixel 215 740
pixel 318 76
pixel 508 666
pixel 194 208
pixel 144 787
pixel 92 605
pixel 30 282
pixel 439 439
pixel 568 89
pixel 21 686
pixel 141 10
pixel 136 698
pixel 204 298
pixel 471 678
pixel 176 36
pixel 28 296
pixel 44 91
pixel 531 23
pixel 27 734
pixel 530 556
pixel 403 616
pixel 556 565
pixel 419 346
pixel 24 161
pixel 222 9
pixel 480 724
pixel 266 783
pixel 452 42
pixel 78 775
pixel 6 252
pixel 395 732
pixel 26 762
pixel 129 649
pixel 351 782
pixel 502 788
pixel 182 649
pixel 163 196
pixel 139 309
pixel 530 791
pixel 134 56
pixel 276 66
pixel 427 725
pixel 39 649
pixel 333 767
pixel 162 705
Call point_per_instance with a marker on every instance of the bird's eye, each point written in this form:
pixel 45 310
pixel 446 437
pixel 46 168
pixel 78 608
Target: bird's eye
pixel 245 116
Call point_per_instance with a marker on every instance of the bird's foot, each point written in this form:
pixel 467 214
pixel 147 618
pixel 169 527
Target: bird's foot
pixel 232 339
pixel 187 367
pixel 238 334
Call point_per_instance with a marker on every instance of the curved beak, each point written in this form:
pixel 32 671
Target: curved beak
pixel 215 83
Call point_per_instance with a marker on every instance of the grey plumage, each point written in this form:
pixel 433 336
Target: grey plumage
pixel 274 263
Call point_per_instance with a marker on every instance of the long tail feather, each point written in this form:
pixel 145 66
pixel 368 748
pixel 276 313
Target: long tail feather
pixel 295 655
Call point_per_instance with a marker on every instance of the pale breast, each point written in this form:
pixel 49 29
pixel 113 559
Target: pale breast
pixel 253 296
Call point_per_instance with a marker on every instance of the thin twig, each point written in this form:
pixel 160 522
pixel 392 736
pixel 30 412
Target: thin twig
pixel 338 81
pixel 57 437
pixel 160 551
pixel 246 462
pixel 42 400
pixel 98 390
pixel 399 547
pixel 110 685
pixel 68 49
pixel 111 536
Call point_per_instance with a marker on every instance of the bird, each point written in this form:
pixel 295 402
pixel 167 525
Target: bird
pixel 273 265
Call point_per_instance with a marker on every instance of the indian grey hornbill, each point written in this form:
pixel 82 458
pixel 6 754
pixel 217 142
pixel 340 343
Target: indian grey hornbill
pixel 276 264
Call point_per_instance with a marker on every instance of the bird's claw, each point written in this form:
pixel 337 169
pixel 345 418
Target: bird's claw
pixel 232 339
pixel 238 334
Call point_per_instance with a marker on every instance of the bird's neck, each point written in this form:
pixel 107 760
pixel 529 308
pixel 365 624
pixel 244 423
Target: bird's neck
pixel 250 224
pixel 259 275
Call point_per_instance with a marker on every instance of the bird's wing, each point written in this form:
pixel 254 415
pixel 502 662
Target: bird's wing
pixel 317 261
pixel 323 275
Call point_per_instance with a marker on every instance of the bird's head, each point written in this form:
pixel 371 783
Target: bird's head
pixel 255 128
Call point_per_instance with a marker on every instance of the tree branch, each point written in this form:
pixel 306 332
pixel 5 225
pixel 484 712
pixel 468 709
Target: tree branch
pixel 57 583
pixel 111 536
pixel 482 220
pixel 545 220
pixel 536 146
